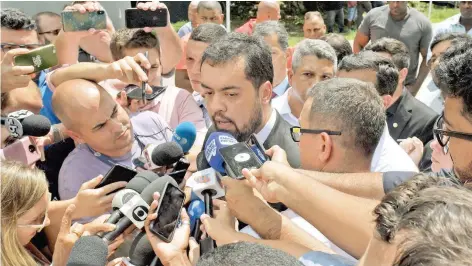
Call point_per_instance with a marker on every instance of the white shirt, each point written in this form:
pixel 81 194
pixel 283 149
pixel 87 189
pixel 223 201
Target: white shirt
pixel 389 156
pixel 280 89
pixel 265 131
pixel 281 105
pixel 430 95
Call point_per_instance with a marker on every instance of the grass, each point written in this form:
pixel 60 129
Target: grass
pixel 294 27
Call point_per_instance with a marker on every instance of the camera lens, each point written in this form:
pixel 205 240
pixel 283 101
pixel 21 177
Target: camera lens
pixel 31 148
pixel 100 12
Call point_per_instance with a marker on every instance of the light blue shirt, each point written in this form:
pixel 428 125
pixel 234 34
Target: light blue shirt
pixel 282 87
pixel 185 29
pixel 281 105
pixel 318 258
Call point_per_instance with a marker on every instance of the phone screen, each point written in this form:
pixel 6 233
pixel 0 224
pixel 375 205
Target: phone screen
pixel 237 157
pixel 168 213
pixel 137 18
pixel 116 174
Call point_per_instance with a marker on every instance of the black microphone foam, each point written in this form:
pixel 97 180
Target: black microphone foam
pixel 88 251
pixel 167 154
pixel 142 180
pixel 141 252
pixel 36 126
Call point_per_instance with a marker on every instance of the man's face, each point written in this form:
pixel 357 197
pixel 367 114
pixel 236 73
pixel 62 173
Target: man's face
pixel 308 142
pixel 438 50
pixel 466 9
pixel 265 13
pixel 279 58
pixel 50 27
pixel 209 16
pixel 19 37
pixel 398 8
pixel 231 99
pixel 27 98
pixel 154 74
pixel 460 149
pixel 314 28
pixel 311 71
pixel 192 15
pixel 104 125
pixel 194 60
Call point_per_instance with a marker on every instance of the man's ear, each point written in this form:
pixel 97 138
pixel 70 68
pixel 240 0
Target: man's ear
pixel 75 136
pixel 402 76
pixel 222 18
pixel 326 149
pixel 265 92
pixel 290 76
pixel 387 100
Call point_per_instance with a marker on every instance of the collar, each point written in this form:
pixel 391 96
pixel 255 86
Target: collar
pixel 281 103
pixel 455 20
pixel 394 107
pixel 282 87
pixel 265 131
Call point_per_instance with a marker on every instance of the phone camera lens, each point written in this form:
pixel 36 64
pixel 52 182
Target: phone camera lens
pixel 101 12
pixel 31 148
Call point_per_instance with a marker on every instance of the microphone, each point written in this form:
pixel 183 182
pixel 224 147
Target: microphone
pixel 184 135
pixel 141 252
pixel 135 210
pixel 195 209
pixel 161 155
pixel 88 251
pixel 25 123
pixel 215 142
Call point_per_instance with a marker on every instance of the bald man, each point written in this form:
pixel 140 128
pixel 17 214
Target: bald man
pixel 188 27
pixel 104 132
pixel 266 10
pixel 314 26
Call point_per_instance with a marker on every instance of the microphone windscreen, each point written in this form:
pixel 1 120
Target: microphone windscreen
pixel 185 134
pixel 156 186
pixel 88 251
pixel 121 197
pixel 215 142
pixel 142 180
pixel 141 252
pixel 36 126
pixel 167 154
pixel 195 210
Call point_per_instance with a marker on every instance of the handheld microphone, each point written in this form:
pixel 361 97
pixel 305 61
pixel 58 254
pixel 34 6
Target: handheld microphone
pixel 185 134
pixel 161 155
pixel 206 181
pixel 195 209
pixel 88 251
pixel 25 123
pixel 215 142
pixel 141 252
pixel 135 210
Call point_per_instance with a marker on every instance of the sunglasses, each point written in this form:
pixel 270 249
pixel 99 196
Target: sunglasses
pixel 39 227
pixel 297 132
pixel 443 136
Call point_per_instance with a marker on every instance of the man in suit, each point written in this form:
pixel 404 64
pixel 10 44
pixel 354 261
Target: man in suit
pixel 406 116
pixel 236 81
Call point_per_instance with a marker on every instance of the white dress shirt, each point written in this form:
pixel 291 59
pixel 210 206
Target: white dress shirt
pixel 430 95
pixel 281 105
pixel 265 131
pixel 281 88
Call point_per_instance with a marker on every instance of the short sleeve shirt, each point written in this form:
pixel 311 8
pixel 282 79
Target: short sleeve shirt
pixel 415 31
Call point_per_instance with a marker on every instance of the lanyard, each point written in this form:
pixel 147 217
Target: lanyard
pixel 107 159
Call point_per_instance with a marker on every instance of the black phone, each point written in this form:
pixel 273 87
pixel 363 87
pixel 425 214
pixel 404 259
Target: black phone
pixel 237 157
pixel 138 18
pixel 135 92
pixel 168 213
pixel 116 174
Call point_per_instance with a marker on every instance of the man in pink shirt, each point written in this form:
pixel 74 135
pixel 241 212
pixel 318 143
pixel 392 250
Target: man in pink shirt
pixel 266 10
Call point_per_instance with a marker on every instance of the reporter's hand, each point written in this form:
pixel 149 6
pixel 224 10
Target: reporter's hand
pixel 222 213
pixel 267 179
pixel 129 69
pixel 134 105
pixel 219 231
pixel 173 250
pixel 116 262
pixel 14 77
pixel 414 148
pixel 153 6
pixel 194 251
pixel 94 202
pixel 277 154
pixel 240 199
pixel 87 7
pixel 67 237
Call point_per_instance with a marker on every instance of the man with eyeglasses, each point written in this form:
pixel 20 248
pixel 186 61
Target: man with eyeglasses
pixel 49 25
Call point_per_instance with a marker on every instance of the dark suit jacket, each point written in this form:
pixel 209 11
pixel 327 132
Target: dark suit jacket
pixel 280 135
pixel 412 118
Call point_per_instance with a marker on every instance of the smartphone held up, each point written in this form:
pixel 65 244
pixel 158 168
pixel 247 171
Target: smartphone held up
pixel 138 18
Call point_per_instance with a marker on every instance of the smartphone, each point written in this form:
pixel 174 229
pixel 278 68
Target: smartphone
pixel 237 157
pixel 168 213
pixel 22 150
pixel 134 92
pixel 76 21
pixel 257 148
pixel 116 174
pixel 40 58
pixel 137 18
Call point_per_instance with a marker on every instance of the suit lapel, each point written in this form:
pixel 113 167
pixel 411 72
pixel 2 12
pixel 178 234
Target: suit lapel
pixel 401 117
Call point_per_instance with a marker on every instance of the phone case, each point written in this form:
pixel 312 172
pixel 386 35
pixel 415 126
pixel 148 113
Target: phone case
pixel 40 58
pixel 76 21
pixel 116 174
pixel 237 157
pixel 137 18
pixel 22 150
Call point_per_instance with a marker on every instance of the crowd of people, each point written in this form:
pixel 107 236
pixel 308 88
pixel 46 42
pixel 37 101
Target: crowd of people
pixel 369 145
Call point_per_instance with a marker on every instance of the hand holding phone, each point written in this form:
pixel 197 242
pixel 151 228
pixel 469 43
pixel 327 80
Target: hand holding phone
pixel 40 58
pixel 14 76
pixel 78 21
pixel 139 18
pixel 117 173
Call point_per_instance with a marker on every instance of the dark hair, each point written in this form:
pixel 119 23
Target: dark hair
pixel 395 48
pixel 207 33
pixel 132 38
pixel 38 16
pixel 352 107
pixel 340 44
pixel 454 73
pixel 447 36
pixel 245 253
pixel 256 54
pixel 15 19
pixel 386 72
pixel 210 5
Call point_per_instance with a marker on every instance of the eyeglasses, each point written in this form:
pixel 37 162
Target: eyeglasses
pixel 297 132
pixel 10 46
pixel 54 32
pixel 443 136
pixel 38 227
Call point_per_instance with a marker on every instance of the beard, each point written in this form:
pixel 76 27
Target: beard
pixel 243 133
pixel 464 174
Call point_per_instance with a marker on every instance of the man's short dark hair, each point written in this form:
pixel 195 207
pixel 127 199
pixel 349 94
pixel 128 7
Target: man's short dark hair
pixel 38 16
pixel 340 44
pixel 210 5
pixel 15 19
pixel 207 33
pixel 352 107
pixel 395 48
pixel 386 72
pixel 245 253
pixel 454 73
pixel 447 36
pixel 255 52
pixel 132 38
